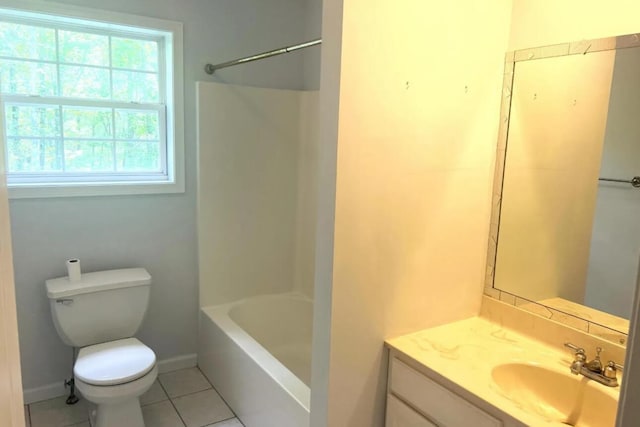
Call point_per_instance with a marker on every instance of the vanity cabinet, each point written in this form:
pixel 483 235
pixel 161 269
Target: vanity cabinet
pixel 401 415
pixel 415 400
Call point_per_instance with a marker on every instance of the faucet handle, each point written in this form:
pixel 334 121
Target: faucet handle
pixel 611 370
pixel 575 348
pixel 579 358
pixel 615 365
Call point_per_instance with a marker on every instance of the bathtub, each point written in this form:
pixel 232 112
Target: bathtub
pixel 257 353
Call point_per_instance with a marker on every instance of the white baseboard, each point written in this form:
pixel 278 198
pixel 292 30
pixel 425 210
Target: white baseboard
pixel 49 391
pixel 45 392
pixel 178 362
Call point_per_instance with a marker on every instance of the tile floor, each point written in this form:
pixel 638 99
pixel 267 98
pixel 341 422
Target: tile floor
pixel 177 399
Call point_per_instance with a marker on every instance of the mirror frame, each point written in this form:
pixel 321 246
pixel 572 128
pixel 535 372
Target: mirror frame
pixel 511 58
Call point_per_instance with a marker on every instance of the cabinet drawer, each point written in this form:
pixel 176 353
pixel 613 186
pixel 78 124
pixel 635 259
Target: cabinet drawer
pixel 400 415
pixel 443 406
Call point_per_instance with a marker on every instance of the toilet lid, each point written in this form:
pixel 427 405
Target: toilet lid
pixel 114 362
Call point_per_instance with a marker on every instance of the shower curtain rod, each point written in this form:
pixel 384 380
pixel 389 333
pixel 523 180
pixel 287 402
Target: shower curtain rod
pixel 210 69
pixel 635 181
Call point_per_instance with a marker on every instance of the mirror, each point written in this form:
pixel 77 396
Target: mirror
pixel 566 217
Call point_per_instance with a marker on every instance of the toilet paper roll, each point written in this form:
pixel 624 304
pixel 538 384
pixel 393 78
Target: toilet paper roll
pixel 73 270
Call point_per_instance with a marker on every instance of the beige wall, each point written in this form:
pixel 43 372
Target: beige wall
pixel 404 235
pixel 556 132
pixel 419 95
pixel 11 413
pixel 545 22
pixel 256 191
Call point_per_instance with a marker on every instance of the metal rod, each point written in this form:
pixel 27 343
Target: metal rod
pixel 635 181
pixel 210 69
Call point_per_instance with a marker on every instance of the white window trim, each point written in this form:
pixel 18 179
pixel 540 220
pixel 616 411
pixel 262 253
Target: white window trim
pixel 174 102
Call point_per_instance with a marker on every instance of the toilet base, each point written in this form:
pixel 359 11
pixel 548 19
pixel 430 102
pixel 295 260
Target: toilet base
pixel 118 405
pixel 126 413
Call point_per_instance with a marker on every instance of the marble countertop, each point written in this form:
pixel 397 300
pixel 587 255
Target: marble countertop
pixel 465 352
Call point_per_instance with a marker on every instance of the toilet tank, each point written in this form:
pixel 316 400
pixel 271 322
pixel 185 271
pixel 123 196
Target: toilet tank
pixel 101 306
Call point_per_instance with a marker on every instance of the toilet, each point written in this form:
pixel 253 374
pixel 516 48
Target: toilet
pixel 99 314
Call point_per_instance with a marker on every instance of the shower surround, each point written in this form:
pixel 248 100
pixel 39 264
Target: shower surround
pixel 257 166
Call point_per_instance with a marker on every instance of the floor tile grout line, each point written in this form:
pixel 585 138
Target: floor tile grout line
pixel 172 404
pixel 190 393
pixel 78 423
pixel 199 391
pixel 166 397
pixel 205 425
pixel 223 399
pixel 225 420
pixel 211 387
pixel 205 377
pixel 158 401
pixel 153 403
pixel 218 422
pixel 87 419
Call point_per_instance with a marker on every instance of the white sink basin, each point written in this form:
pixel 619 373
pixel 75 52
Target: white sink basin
pixel 561 398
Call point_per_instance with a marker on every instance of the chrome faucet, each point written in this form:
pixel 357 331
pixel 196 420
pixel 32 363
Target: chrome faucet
pixel 594 369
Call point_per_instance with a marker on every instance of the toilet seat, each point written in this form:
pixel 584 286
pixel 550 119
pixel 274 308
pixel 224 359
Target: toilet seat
pixel 114 362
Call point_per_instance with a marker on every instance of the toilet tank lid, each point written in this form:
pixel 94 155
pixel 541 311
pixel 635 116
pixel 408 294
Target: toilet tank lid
pixel 97 281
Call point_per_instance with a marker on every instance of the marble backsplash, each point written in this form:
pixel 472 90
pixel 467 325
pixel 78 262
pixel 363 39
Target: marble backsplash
pixel 551 331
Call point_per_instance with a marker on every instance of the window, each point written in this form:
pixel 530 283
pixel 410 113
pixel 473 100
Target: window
pixel 89 108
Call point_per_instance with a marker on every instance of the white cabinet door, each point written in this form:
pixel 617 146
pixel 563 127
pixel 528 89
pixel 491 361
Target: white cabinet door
pixel 439 403
pixel 400 415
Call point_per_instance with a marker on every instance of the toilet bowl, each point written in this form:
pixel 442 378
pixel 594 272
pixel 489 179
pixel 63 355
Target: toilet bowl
pixel 113 375
pixel 99 315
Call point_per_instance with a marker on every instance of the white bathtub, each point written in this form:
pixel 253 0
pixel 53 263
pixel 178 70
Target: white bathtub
pixel 257 353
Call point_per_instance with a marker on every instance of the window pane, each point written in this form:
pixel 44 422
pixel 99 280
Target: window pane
pixel 26 41
pixel 88 156
pixel 84 48
pixel 134 54
pixel 84 82
pixel 39 120
pixel 137 125
pixel 34 155
pixel 138 156
pixel 135 87
pixel 87 122
pixel 77 116
pixel 28 78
